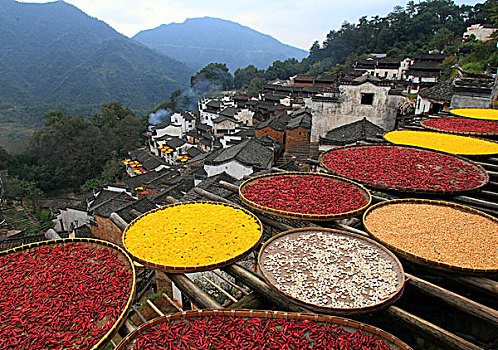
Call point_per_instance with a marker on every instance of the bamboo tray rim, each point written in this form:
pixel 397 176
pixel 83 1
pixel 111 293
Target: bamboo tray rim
pixel 476 166
pixel 475 108
pixel 310 217
pixel 421 260
pixel 198 268
pixel 330 310
pixel 456 132
pixel 65 241
pixel 265 314
pixel 445 134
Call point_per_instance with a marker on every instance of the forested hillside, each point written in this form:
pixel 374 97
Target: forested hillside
pixel 200 41
pixel 434 25
pixel 54 56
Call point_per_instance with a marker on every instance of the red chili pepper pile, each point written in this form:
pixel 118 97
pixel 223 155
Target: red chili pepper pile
pixel 305 194
pixel 404 168
pixel 457 125
pixel 60 297
pixel 218 332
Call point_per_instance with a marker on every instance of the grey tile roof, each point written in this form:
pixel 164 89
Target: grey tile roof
pixel 210 184
pixel 106 208
pixel 188 116
pixel 442 91
pixel 148 160
pixel 277 122
pixel 303 121
pixel 139 180
pixel 353 132
pixel 250 152
pixel 229 112
pixel 223 118
pixel 142 206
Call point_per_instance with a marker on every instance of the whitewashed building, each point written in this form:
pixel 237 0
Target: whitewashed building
pixel 240 160
pixel 364 97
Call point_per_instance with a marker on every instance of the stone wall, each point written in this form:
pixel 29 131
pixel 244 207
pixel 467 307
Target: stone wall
pixel 329 114
pixel 296 135
pixel 106 230
pixel 274 134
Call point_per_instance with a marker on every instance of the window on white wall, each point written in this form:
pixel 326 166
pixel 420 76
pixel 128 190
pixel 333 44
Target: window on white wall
pixel 367 99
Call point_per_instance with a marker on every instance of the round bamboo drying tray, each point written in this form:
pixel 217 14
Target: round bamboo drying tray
pixel 298 216
pixel 384 254
pixel 123 257
pixel 423 136
pixel 128 343
pixel 422 260
pixel 457 132
pixel 405 189
pixel 197 268
pixel 476 113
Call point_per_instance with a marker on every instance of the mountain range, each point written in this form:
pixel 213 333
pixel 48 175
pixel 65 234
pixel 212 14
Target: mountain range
pixel 55 56
pixel 200 41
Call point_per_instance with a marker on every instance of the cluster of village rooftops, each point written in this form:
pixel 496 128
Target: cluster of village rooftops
pixel 232 137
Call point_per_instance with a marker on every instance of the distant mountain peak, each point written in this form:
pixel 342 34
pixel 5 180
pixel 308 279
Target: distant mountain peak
pixel 202 40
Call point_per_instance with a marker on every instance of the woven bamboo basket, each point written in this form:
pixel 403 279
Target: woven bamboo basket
pixel 349 325
pixel 463 112
pixel 479 169
pixel 421 260
pixel 123 257
pixel 298 216
pixel 456 132
pixel 386 255
pixel 472 155
pixel 199 268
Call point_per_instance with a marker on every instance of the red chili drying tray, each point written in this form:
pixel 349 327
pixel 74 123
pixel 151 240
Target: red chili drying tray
pixel 93 242
pixel 372 184
pixel 299 216
pixel 349 325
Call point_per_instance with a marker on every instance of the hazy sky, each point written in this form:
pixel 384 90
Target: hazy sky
pixel 294 22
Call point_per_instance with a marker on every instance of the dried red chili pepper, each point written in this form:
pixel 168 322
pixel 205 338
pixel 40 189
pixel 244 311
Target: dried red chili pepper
pixel 462 125
pixel 305 194
pixel 222 332
pixel 404 168
pixel 62 297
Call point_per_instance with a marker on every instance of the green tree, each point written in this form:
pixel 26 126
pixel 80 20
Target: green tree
pixel 443 38
pixel 64 153
pixel 17 189
pixel 120 127
pixel 5 159
pixel 213 77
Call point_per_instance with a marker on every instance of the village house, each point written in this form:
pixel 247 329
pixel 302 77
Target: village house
pixel 209 110
pixel 480 32
pixel 101 208
pixel 274 127
pixel 170 147
pixel 468 90
pixel 185 120
pixel 299 128
pixel 434 99
pixel 366 66
pixel 240 160
pixel 473 90
pixel 303 80
pixel 392 68
pixel 69 219
pixel 224 125
pixel 364 97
